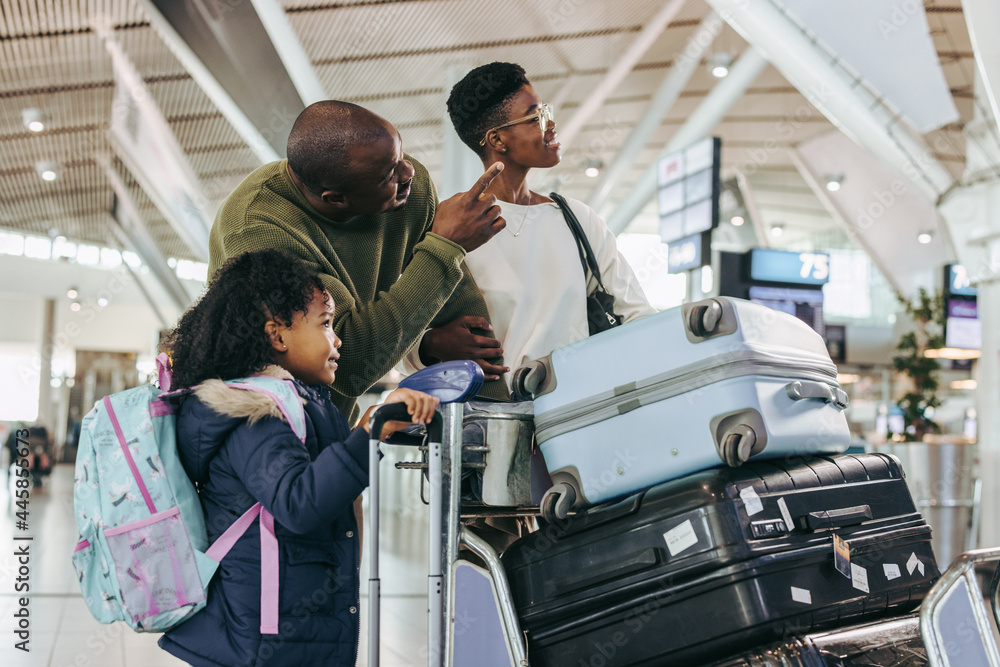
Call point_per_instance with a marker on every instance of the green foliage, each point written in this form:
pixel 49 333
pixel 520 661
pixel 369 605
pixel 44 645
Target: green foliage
pixel 928 314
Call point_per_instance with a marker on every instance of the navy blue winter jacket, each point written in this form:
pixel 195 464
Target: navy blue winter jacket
pixel 240 450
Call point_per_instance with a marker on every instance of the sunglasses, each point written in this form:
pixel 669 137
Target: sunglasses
pixel 543 116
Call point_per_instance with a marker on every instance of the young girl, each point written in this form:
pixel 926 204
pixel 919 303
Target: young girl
pixel 265 313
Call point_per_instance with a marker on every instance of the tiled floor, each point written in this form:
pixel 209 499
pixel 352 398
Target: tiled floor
pixel 64 634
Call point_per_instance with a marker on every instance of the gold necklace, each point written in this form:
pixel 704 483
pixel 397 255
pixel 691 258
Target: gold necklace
pixel 523 218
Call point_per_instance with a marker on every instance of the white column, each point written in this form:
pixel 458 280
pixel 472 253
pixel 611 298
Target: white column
pixel 988 411
pixel 130 228
pixel 971 216
pixel 983 20
pixel 45 414
pixel 835 92
pixel 290 50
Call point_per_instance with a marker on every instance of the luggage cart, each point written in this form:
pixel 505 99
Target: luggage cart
pixel 953 620
pixel 444 470
pixel 950 630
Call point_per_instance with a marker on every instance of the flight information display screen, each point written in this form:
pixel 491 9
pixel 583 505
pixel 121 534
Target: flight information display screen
pixel 689 190
pixel 805 304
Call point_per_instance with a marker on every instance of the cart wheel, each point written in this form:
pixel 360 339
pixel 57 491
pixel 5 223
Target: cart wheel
pixel 557 502
pixel 738 445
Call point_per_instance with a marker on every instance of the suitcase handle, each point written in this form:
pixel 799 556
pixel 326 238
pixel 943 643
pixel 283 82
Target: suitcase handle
pixel 803 389
pixel 847 516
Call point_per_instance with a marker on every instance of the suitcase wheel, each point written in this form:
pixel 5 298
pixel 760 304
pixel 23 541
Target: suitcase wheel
pixel 738 445
pixel 705 318
pixel 526 380
pixel 557 502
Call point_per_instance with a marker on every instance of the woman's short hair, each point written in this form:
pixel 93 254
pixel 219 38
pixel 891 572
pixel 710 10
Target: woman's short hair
pixel 222 335
pixel 481 100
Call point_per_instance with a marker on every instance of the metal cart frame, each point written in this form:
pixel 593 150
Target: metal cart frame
pixel 444 456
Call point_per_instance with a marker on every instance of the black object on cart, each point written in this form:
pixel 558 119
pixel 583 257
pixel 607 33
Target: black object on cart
pixel 701 567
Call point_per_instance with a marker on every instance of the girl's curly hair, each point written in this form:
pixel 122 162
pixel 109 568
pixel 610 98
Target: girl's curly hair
pixel 222 335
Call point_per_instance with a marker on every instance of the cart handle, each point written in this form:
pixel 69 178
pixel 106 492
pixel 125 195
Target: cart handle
pixel 961 571
pixel 397 412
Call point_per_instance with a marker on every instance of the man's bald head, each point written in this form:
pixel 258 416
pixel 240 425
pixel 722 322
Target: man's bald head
pixel 321 142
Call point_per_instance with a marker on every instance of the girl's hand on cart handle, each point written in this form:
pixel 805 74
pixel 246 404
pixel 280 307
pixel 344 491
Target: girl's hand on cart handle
pixel 419 405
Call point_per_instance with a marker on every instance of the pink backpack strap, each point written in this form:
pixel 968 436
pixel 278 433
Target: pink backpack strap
pixel 128 455
pixel 269 588
pixel 163 373
pixel 221 546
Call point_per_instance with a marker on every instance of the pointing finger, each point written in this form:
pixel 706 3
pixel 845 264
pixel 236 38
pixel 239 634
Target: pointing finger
pixel 485 180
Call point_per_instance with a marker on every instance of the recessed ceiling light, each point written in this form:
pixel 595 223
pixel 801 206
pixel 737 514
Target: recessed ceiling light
pixel 719 64
pixel 72 293
pixel 777 230
pixel 925 237
pixel 593 169
pixel 47 170
pixel 75 306
pixel 833 181
pixel 33 119
pixel 736 220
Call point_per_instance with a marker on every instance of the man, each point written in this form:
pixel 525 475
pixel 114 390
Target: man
pixel 350 202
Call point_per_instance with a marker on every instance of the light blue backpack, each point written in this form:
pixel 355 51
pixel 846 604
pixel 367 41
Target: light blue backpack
pixel 143 555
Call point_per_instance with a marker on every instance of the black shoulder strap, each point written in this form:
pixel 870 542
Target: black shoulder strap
pixel 587 257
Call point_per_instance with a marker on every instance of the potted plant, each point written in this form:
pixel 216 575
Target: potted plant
pixel 919 402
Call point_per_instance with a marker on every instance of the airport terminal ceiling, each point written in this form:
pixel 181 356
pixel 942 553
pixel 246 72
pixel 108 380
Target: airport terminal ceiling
pixel 393 57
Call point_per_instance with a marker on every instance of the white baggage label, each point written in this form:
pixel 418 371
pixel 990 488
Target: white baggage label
pixel 680 538
pixel 914 564
pixel 891 571
pixel 751 501
pixel 802 595
pixel 786 516
pixel 859 578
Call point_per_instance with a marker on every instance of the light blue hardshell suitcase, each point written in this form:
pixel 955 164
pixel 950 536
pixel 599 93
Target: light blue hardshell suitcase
pixel 707 383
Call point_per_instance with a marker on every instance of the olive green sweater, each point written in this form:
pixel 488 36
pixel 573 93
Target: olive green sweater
pixel 390 278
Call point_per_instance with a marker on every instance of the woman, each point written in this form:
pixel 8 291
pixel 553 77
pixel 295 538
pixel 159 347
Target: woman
pixel 530 273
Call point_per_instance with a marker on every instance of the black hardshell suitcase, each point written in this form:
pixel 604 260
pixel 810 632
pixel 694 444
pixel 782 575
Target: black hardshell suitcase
pixel 701 567
pixel 892 642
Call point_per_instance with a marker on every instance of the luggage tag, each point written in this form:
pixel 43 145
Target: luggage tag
pixel 751 501
pixel 842 556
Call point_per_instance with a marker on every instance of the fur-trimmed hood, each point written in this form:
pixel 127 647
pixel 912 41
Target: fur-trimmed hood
pixel 249 405
pixel 218 409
